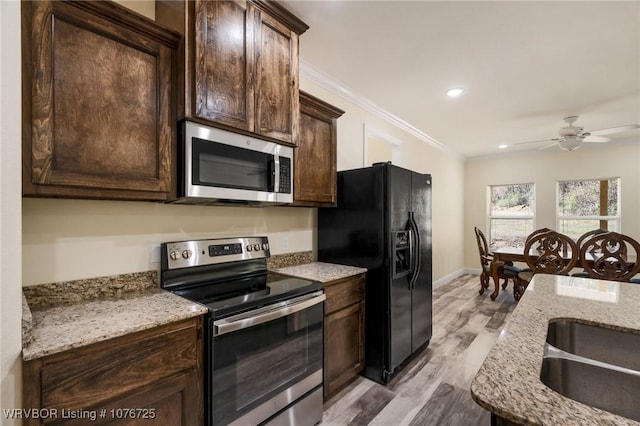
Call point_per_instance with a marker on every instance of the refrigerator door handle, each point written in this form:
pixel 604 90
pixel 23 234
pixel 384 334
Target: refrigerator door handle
pixel 415 252
pixel 412 250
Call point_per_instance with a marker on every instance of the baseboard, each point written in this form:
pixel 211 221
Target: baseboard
pixel 452 276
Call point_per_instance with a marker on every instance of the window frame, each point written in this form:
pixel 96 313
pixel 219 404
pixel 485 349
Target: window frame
pixel 617 217
pixel 490 217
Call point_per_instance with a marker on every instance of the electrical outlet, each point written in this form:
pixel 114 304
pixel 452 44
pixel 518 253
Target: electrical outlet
pixel 285 243
pixel 155 253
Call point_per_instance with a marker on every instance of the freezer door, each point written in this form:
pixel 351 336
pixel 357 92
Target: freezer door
pixel 421 303
pixel 398 213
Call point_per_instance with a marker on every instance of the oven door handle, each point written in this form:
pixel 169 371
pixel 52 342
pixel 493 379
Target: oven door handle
pixel 267 313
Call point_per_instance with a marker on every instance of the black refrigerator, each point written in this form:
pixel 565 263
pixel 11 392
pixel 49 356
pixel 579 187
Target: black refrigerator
pixel 382 222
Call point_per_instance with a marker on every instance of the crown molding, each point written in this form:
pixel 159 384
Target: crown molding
pixel 325 81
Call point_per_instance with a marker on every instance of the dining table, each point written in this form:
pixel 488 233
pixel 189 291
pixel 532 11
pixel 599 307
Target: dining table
pixel 504 255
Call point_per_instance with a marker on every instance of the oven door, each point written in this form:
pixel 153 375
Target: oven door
pixel 266 359
pixel 228 166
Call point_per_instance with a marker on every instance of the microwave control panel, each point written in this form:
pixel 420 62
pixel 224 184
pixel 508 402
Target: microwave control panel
pixel 285 175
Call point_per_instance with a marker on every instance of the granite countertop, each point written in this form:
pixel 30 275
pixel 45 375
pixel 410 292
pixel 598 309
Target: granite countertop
pixel 58 328
pixel 508 383
pixel 320 271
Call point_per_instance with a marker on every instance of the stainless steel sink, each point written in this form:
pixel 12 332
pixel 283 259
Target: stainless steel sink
pixel 605 388
pixel 594 342
pixel 595 365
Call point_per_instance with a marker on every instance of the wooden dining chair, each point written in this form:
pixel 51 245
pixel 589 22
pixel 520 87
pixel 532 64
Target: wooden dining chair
pixel 531 235
pixel 555 254
pixel 580 242
pixel 535 233
pixel 505 271
pixel 606 256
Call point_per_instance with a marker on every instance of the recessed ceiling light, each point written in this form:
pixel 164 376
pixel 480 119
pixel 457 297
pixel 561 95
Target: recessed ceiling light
pixel 502 146
pixel 454 92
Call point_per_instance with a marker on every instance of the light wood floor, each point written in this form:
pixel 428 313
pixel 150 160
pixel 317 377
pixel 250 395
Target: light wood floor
pixel 434 388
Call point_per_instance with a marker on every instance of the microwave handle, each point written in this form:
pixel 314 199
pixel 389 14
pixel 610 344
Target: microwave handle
pixel 275 174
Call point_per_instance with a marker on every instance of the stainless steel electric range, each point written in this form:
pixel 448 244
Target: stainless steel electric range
pixel 263 333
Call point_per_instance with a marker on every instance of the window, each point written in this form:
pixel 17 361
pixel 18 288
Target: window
pixel 584 205
pixel 511 214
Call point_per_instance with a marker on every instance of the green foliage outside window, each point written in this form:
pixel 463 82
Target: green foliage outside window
pixel 582 198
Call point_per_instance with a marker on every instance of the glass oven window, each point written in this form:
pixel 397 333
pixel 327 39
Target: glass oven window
pixel 286 363
pixel 226 166
pixel 252 365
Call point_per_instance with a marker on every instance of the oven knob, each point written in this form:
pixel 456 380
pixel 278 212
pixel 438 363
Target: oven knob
pixel 256 247
pixel 186 254
pixel 174 255
pixel 249 247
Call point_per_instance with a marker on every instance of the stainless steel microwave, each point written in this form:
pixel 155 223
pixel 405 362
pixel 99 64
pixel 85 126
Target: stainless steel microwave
pixel 221 167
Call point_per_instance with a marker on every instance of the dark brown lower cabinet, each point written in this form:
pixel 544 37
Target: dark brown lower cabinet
pixel 343 333
pixel 149 377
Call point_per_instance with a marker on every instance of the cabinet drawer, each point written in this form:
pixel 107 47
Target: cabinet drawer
pixel 342 293
pixel 87 376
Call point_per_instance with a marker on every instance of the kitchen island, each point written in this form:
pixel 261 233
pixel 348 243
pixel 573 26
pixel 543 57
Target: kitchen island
pixel 508 384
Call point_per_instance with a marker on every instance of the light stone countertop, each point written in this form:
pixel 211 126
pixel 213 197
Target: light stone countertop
pixel 508 383
pixel 58 328
pixel 320 271
pixel 27 322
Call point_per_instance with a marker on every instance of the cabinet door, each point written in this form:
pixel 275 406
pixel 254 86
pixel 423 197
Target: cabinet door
pixel 277 104
pixel 175 402
pixel 344 347
pixel 224 62
pixel 158 371
pixel 98 104
pixel 315 157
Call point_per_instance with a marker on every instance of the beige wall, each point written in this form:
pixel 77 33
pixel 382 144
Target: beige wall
pixel 10 193
pixel 75 239
pixel 143 7
pixel 545 169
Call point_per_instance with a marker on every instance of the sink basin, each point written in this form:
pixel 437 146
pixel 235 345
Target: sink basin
pixel 594 342
pixel 608 389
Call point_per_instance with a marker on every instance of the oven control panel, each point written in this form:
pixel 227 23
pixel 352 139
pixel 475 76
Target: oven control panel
pixel 182 254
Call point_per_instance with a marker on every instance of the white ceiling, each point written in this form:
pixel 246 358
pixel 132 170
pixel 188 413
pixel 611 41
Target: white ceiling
pixel 525 65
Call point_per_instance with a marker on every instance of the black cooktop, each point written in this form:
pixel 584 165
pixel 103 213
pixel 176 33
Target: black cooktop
pixel 239 295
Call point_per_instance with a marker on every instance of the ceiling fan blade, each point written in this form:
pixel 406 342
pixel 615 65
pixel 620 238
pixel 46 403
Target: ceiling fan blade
pixel 550 145
pixel 611 130
pixel 555 140
pixel 598 139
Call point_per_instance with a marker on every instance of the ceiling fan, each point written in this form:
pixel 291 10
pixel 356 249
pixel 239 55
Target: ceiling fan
pixel 571 137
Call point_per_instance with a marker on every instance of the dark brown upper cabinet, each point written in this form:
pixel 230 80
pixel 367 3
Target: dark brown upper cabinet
pixel 98 113
pixel 239 62
pixel 315 156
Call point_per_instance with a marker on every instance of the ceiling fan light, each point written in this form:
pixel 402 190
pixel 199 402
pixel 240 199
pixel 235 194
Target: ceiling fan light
pixel 570 143
pixel 454 92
